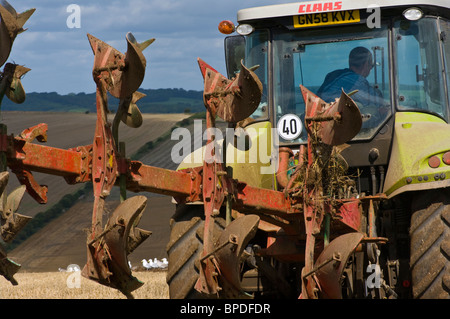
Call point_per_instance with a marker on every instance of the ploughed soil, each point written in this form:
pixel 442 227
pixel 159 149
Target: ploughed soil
pixel 63 241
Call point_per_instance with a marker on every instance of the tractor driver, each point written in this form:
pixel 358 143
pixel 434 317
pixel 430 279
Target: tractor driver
pixel 352 78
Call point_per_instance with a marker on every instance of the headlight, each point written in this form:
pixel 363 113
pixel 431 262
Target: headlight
pixel 413 14
pixel 245 29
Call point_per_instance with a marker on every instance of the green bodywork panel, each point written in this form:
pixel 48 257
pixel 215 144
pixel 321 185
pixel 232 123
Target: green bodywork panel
pixel 417 137
pixel 252 166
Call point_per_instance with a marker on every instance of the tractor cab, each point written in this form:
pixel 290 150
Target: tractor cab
pixel 391 57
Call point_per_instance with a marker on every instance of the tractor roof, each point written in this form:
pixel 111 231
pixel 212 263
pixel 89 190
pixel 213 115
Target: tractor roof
pixel 305 7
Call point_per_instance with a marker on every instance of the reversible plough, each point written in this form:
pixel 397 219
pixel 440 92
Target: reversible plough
pixel 301 209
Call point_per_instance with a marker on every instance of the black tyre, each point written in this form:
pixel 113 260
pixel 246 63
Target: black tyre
pixel 185 248
pixel 430 245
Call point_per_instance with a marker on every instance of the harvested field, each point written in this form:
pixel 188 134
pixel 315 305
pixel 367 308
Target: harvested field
pixel 63 241
pixel 63 285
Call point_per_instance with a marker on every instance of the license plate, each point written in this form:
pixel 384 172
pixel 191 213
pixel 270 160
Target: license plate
pixel 326 18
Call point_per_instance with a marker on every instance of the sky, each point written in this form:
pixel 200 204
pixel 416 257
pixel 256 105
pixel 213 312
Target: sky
pixel 61 59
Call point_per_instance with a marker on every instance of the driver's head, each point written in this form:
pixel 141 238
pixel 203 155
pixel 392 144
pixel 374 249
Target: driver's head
pixel 360 61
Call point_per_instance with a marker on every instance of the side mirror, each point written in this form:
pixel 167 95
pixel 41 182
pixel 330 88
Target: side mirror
pixel 234 53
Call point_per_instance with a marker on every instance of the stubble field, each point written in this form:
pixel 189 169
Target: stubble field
pixel 66 285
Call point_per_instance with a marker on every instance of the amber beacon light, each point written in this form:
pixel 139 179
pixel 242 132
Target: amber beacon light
pixel 226 27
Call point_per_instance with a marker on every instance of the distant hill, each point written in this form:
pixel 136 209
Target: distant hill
pixel 156 101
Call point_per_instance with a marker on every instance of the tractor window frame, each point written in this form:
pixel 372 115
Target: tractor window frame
pixel 254 50
pixel 426 100
pixel 315 37
pixel 444 31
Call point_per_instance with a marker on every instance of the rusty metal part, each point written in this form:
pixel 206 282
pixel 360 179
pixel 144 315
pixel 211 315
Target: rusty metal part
pixel 235 99
pixel 330 264
pixel 239 232
pixel 264 201
pixel 73 164
pixel 14 89
pixel 228 257
pixel 8 267
pixel 185 186
pixel 38 132
pixel 348 215
pixel 13 225
pixel 122 73
pixel 328 125
pixel 214 186
pixel 135 63
pixel 107 72
pixel 225 258
pixel 108 67
pixel 29 157
pixel 313 212
pixel 24 157
pixel 26 178
pixel 340 121
pixel 179 184
pixel 12 222
pixel 132 116
pixel 107 261
pixel 10 26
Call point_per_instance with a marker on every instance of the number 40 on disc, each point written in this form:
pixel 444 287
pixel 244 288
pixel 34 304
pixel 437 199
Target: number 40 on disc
pixel 289 127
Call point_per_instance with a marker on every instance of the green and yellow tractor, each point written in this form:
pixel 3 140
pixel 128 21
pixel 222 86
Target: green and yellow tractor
pixel 392 59
pixel 322 169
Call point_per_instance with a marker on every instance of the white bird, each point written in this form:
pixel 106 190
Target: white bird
pixel 160 264
pixel 129 264
pixel 73 268
pixel 146 264
pixel 155 263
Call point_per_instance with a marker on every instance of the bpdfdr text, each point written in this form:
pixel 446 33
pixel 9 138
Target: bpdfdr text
pixel 246 308
pixel 228 308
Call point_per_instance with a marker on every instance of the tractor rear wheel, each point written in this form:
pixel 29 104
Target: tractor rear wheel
pixel 430 244
pixel 185 248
